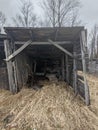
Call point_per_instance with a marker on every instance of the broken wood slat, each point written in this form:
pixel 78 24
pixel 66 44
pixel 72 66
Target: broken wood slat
pixel 61 48
pixel 18 51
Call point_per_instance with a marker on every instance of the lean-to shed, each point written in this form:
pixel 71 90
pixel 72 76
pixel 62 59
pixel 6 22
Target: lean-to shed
pixel 61 51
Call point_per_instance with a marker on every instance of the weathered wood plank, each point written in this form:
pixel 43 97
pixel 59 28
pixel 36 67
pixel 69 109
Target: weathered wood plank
pixel 15 53
pixel 67 69
pixel 15 76
pixel 83 43
pixel 46 43
pixel 10 69
pixel 63 68
pixel 61 48
pixel 75 74
pixel 4 78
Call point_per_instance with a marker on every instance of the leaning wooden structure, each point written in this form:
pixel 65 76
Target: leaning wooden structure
pixel 62 50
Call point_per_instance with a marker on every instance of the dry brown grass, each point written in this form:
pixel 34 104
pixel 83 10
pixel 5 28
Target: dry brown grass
pixel 54 107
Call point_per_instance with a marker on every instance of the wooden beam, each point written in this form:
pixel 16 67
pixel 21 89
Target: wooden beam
pixel 67 69
pixel 83 43
pixel 46 43
pixel 14 54
pixel 15 76
pixel 61 48
pixel 63 68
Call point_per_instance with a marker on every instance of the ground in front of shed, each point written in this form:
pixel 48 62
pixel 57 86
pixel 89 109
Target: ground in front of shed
pixel 53 107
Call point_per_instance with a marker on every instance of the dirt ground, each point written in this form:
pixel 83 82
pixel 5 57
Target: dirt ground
pixel 54 107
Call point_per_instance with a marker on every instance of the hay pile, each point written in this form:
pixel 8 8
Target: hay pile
pixel 54 107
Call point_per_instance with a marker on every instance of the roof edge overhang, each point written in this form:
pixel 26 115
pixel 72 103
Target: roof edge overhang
pixel 44 33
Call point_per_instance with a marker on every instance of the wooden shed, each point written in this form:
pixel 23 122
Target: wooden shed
pixel 41 51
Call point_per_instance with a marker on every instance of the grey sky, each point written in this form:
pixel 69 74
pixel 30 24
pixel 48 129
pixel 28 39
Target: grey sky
pixel 88 11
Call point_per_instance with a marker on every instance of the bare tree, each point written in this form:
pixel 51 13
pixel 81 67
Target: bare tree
pixel 2 20
pixel 74 19
pixel 59 11
pixel 93 42
pixel 26 16
pixel 49 7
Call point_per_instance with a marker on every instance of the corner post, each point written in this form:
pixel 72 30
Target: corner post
pixel 10 67
pixel 83 43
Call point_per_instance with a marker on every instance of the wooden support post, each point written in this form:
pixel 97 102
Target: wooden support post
pixel 10 67
pixel 15 76
pixel 63 68
pixel 75 74
pixel 35 67
pixel 67 69
pixel 83 42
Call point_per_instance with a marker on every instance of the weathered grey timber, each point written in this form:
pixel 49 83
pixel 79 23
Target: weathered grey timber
pixel 63 67
pixel 61 48
pixel 10 68
pixel 46 43
pixel 75 73
pixel 15 53
pixel 83 43
pixel 67 69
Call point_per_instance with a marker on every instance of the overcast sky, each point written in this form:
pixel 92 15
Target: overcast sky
pixel 88 11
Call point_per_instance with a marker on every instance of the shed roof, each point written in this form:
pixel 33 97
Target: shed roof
pixel 45 33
